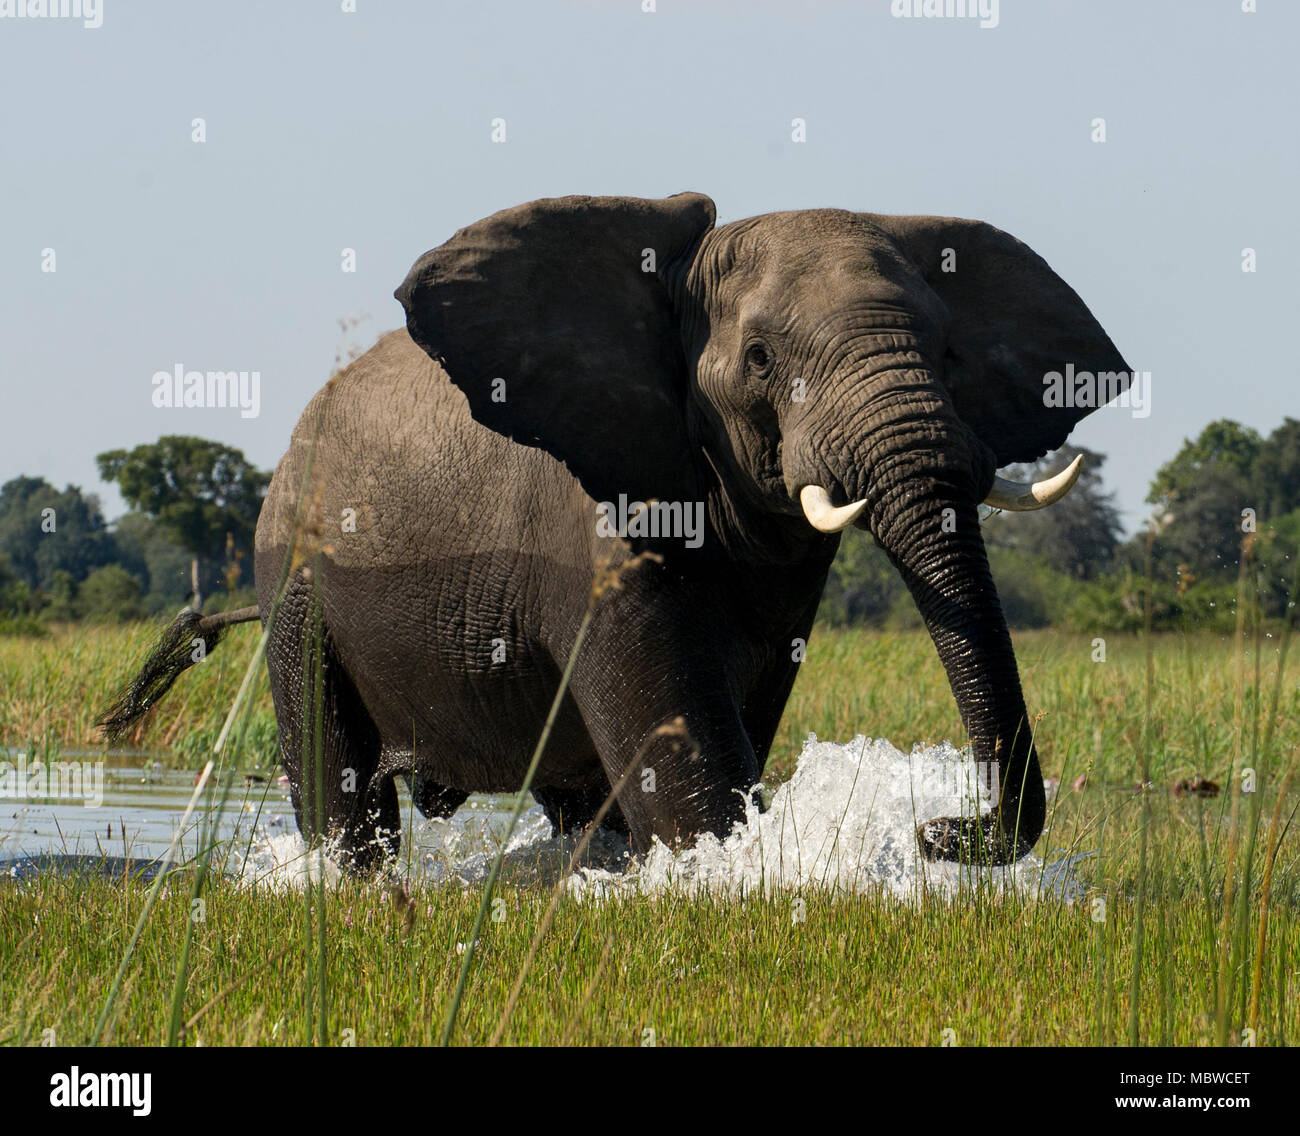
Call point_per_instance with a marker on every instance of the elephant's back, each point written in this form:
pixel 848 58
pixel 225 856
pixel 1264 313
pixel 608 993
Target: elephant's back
pixel 387 463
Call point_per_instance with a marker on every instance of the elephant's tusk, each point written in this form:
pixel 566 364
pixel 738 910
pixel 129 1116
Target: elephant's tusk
pixel 1021 497
pixel 822 515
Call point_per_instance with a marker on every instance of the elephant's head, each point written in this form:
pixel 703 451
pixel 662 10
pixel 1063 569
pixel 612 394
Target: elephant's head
pixel 819 368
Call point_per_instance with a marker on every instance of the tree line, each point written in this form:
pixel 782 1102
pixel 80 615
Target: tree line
pixel 188 535
pixel 1225 523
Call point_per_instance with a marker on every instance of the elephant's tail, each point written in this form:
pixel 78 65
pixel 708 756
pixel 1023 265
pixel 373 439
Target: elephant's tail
pixel 177 651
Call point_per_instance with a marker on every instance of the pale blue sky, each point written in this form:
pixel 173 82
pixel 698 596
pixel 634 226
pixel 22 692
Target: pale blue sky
pixel 371 130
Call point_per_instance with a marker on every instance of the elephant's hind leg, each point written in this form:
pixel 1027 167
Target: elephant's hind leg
pixel 346 794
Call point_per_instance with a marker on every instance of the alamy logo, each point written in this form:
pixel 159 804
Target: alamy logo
pixel 179 387
pixel 674 520
pixel 986 11
pixel 53 780
pixel 971 782
pixel 89 12
pixel 1083 388
pixel 75 1089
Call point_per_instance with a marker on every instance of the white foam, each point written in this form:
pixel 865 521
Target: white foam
pixel 844 823
pixel 280 861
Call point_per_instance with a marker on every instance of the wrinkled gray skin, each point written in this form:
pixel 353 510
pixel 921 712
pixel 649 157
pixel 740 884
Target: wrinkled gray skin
pixel 475 519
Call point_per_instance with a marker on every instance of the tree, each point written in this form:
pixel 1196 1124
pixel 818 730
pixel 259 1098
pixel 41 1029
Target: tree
pixel 1031 592
pixel 1224 445
pixel 110 593
pixel 1078 535
pixel 1201 495
pixel 44 530
pixel 1226 486
pixel 863 586
pixel 15 595
pixel 198 490
pixel 58 603
pixel 1278 550
pixel 1202 532
pixel 1277 471
pixel 147 550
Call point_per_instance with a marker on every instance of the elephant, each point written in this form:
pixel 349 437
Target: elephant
pixel 572 370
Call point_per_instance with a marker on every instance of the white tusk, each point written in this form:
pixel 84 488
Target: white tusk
pixel 1021 497
pixel 822 515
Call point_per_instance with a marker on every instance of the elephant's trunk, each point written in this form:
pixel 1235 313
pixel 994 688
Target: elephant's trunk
pixel 945 567
pixel 921 472
pixel 925 517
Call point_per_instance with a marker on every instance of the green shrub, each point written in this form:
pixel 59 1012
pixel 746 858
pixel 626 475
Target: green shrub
pixel 21 625
pixel 1118 603
pixel 1033 594
pixel 229 601
pixel 110 594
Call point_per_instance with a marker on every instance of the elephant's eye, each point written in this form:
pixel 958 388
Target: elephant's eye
pixel 757 359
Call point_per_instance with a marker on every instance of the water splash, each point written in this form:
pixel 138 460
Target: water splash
pixel 844 823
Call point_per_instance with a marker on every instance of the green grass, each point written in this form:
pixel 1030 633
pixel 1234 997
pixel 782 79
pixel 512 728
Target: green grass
pixel 1087 714
pixel 885 684
pixel 54 688
pixel 865 970
pixel 1187 932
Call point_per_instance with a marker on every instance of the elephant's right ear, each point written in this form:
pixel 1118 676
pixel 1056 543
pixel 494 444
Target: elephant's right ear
pixel 553 319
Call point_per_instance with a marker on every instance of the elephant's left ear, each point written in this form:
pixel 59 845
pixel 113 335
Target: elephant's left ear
pixel 554 319
pixel 1015 326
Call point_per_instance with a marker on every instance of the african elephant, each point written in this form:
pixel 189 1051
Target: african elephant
pixel 764 384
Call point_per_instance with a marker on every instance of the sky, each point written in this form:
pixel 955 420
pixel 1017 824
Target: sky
pixel 372 130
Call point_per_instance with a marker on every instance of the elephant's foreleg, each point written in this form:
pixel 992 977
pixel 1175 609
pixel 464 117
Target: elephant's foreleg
pixel 765 700
pixel 676 725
